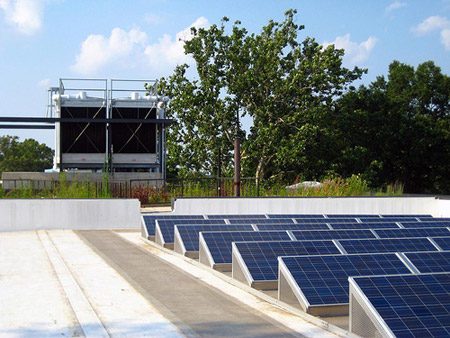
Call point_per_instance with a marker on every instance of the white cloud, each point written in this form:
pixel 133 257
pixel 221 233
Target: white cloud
pixel 44 83
pixel 445 38
pixel 354 53
pixel 431 24
pixel 171 52
pixel 131 50
pixel 24 15
pixel 434 23
pixel 98 51
pixel 395 5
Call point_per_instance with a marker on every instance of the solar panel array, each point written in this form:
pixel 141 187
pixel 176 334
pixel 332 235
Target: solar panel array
pixel 330 248
pixel 409 305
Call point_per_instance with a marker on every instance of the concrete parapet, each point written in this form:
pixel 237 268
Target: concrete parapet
pixel 309 205
pixel 35 214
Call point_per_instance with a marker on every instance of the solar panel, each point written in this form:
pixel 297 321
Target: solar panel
pixel 404 216
pixel 353 246
pixel 326 220
pixel 241 216
pixel 303 226
pixel 165 228
pixel 443 242
pixel 383 225
pixel 189 234
pixel 262 221
pixel 406 305
pixel 295 216
pixel 323 280
pixel 433 224
pixel 430 261
pixel 416 232
pixel 432 219
pixel 304 235
pixel 351 216
pixel 219 243
pixel 149 220
pixel 388 219
pixel 260 258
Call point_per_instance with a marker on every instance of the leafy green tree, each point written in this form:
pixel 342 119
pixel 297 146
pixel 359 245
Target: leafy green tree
pixel 397 129
pixel 286 86
pixel 28 155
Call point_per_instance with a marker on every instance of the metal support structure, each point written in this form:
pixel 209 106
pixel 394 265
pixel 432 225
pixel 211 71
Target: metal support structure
pixel 237 166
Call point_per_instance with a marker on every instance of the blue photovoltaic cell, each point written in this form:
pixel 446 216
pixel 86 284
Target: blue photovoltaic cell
pixel 305 226
pixel 354 246
pixel 311 216
pixel 262 221
pixel 432 219
pixel 383 225
pixel 415 232
pixel 326 220
pixel 149 220
pixel 404 216
pixel 236 216
pixel 305 235
pixel 390 219
pixel 430 261
pixel 219 243
pixel 324 279
pixel 352 216
pixel 167 226
pixel 190 233
pixel 443 242
pixel 433 224
pixel 411 305
pixel 261 258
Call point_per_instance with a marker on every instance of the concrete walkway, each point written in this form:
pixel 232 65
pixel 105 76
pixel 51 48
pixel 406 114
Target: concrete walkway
pixel 103 283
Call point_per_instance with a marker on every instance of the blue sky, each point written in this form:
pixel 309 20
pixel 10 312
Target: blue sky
pixel 44 40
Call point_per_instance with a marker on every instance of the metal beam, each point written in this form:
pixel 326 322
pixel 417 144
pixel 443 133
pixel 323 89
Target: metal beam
pixel 81 120
pixel 26 126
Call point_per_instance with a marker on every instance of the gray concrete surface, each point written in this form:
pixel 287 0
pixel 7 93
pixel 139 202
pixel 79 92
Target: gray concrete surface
pixel 193 306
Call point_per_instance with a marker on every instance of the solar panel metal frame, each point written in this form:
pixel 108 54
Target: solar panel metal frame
pixel 378 325
pixel 290 292
pixel 179 240
pixel 207 258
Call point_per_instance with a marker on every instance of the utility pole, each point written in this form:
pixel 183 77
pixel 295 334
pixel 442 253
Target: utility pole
pixel 237 159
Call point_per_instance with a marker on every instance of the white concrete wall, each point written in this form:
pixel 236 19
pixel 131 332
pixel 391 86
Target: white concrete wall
pixel 444 208
pixel 34 214
pixel 304 205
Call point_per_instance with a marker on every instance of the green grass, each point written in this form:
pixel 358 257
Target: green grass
pixel 331 187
